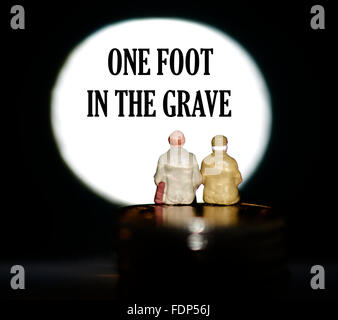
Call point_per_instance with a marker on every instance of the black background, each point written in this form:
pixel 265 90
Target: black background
pixel 51 214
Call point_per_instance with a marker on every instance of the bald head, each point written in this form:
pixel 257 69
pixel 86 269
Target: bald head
pixel 219 141
pixel 176 138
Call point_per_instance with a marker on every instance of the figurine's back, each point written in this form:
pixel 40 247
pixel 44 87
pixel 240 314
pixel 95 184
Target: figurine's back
pixel 220 179
pixel 179 171
pixel 220 175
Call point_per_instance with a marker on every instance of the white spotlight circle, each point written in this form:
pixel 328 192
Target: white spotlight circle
pixel 117 156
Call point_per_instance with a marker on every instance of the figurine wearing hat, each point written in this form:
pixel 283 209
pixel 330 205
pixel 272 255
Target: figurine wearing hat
pixel 220 174
pixel 177 176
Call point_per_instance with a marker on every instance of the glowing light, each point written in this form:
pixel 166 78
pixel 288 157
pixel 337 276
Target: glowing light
pixel 196 241
pixel 117 157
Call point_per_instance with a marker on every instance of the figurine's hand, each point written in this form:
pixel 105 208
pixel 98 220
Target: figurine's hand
pixel 159 193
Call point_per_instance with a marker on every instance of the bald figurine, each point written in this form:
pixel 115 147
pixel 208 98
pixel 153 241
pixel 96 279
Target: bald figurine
pixel 220 174
pixel 177 176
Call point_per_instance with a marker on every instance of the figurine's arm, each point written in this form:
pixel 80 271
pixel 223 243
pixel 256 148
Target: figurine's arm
pixel 237 173
pixel 159 175
pixel 159 179
pixel 202 171
pixel 197 177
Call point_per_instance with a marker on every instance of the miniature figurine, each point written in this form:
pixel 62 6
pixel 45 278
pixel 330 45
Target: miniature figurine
pixel 177 176
pixel 220 174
